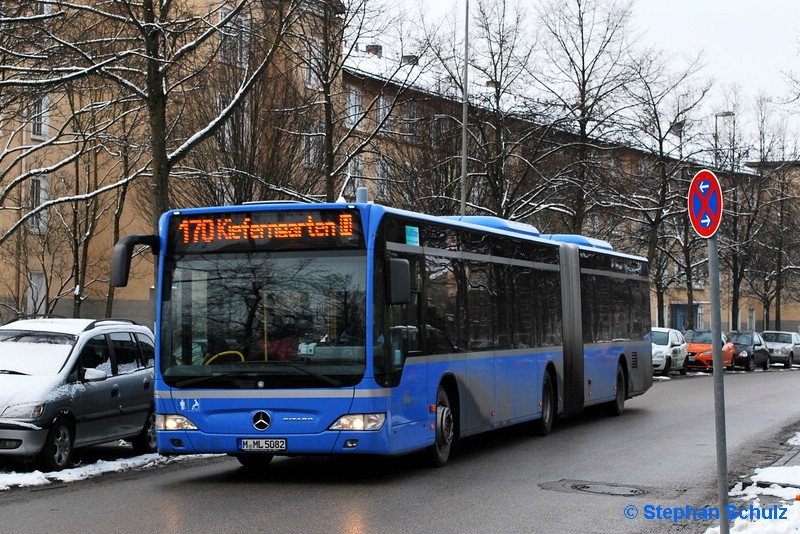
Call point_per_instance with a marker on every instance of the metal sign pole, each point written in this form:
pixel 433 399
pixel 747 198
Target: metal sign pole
pixel 719 390
pixel 705 214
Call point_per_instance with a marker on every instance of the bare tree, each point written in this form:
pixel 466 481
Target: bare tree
pixel 663 126
pixel 346 115
pixel 585 68
pixel 772 274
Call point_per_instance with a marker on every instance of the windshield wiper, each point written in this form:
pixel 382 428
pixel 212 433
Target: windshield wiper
pixel 232 375
pixel 12 372
pixel 309 372
pixel 210 378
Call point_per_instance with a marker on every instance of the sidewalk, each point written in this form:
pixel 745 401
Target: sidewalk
pixel 769 496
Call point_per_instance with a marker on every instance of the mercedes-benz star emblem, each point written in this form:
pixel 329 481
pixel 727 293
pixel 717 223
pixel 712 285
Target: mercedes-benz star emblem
pixel 261 420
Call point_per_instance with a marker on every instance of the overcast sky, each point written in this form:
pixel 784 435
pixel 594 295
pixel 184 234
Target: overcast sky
pixel 748 42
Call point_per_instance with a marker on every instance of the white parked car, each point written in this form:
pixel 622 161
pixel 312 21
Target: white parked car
pixel 783 347
pixel 669 351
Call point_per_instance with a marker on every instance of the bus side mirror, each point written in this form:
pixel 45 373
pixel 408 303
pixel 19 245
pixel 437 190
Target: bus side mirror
pixel 123 251
pixel 398 289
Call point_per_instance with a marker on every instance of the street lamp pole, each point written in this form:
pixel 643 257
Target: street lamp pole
pixel 464 112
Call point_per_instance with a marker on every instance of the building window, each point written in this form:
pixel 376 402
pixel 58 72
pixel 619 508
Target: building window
pixel 234 46
pixel 233 131
pixel 37 293
pixel 384 113
pixel 355 172
pixel 312 150
pixel 312 65
pixel 39 117
pixel 38 196
pixel 224 187
pixel 383 189
pixel 41 8
pixel 410 118
pixel 355 107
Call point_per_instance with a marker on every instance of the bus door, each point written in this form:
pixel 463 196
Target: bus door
pixel 409 367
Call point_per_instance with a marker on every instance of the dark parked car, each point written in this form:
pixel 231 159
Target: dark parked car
pixel 784 347
pixel 749 350
pixel 69 383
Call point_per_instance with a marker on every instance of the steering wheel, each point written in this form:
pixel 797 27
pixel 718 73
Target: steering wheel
pixel 211 358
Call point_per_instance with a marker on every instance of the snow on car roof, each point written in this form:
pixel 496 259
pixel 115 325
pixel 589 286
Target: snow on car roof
pixel 59 325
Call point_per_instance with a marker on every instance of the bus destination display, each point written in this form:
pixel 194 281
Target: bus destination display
pixel 279 230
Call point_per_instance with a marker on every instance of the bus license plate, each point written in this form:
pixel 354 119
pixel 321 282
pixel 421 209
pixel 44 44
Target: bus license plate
pixel 263 445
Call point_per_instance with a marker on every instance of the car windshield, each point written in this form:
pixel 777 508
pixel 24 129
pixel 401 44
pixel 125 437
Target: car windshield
pixel 777 337
pixel 698 336
pixel 659 338
pixel 290 319
pixel 741 338
pixel 33 353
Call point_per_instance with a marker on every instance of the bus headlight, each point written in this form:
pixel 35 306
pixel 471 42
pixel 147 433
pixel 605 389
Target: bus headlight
pixel 359 421
pixel 173 422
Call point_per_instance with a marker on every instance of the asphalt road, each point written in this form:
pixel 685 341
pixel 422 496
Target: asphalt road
pixel 579 479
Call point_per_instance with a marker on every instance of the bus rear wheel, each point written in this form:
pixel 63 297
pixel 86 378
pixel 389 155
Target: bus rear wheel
pixel 444 429
pixel 544 425
pixel 617 406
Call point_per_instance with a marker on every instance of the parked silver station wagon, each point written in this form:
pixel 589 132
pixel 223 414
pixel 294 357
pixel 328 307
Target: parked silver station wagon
pixel 784 347
pixel 69 383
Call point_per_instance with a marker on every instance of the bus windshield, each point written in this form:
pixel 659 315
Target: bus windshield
pixel 259 319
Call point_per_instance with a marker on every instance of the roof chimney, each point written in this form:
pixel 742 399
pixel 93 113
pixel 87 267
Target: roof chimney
pixel 409 59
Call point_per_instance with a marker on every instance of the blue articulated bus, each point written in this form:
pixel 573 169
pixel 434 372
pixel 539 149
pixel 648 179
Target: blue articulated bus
pixel 355 328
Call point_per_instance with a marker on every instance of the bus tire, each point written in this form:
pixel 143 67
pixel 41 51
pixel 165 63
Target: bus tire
pixel 444 429
pixel 544 425
pixel 617 406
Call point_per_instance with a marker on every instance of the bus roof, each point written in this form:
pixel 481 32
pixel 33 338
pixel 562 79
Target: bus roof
pixel 579 240
pixel 497 222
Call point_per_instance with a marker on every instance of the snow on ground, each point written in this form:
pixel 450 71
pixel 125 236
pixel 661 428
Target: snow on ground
pixel 9 479
pixel 771 488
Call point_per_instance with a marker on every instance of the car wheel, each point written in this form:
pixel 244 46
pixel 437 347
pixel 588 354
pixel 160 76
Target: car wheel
pixel 766 364
pixel 685 367
pixel 57 451
pixel 789 362
pixel 145 442
pixel 667 367
pixel 749 364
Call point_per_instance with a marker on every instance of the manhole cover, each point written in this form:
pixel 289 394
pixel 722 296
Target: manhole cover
pixel 609 489
pixel 612 489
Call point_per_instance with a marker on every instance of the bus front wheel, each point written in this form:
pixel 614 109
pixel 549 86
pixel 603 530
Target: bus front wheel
pixel 544 425
pixel 444 429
